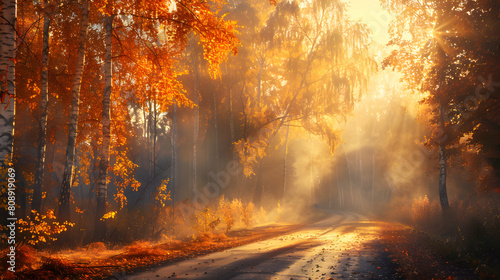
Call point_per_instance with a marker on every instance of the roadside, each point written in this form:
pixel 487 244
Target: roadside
pixel 95 262
pixel 418 256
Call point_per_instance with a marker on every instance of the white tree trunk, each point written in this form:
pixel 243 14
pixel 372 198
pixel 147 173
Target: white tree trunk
pixel 100 225
pixel 42 138
pixel 443 195
pixel 7 77
pixel 65 196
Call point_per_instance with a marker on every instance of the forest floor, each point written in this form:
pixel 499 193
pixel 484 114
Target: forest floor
pixel 420 256
pixel 342 246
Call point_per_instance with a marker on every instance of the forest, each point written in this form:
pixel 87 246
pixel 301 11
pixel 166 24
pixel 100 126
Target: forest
pixel 136 134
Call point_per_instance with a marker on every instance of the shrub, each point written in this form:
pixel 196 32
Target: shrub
pixel 204 221
pixel 247 214
pixel 422 211
pixel 40 228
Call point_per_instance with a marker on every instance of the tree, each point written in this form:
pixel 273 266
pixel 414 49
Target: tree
pixel 7 77
pixel 100 225
pixel 327 50
pixel 68 176
pixel 448 52
pixel 44 96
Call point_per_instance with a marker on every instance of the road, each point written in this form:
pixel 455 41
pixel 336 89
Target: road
pixel 341 246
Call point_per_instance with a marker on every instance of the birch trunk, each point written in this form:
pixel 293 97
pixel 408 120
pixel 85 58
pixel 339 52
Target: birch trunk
pixel 7 77
pixel 102 190
pixel 67 182
pixel 441 75
pixel 443 194
pixel 42 138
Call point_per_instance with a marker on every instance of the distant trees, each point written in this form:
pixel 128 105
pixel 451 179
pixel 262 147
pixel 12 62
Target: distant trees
pixel 322 62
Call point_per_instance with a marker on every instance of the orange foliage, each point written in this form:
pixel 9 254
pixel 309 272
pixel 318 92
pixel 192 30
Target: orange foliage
pixel 231 211
pixel 40 228
pixel 422 210
pixel 247 214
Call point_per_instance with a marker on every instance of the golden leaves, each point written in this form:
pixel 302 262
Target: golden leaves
pixel 249 153
pixel 109 215
pixel 163 194
pixel 218 37
pixel 39 228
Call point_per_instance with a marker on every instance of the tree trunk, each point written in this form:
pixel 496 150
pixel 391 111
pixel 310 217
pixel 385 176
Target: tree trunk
pixel 196 122
pixel 67 182
pixel 174 151
pixel 155 133
pixel 174 163
pixel 231 118
pixel 373 178
pixel 216 134
pixel 7 77
pixel 102 190
pixel 311 180
pixel 441 75
pixel 283 189
pixel 42 138
pixel 259 80
pixel 340 189
pixel 350 180
pixel 259 188
pixel 443 196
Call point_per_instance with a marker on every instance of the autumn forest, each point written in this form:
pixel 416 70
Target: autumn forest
pixel 168 138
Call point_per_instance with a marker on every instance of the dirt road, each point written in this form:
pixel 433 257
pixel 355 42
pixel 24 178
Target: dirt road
pixel 341 246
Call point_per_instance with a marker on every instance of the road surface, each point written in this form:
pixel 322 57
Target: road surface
pixel 339 247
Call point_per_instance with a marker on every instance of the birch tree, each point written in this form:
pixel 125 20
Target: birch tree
pixel 42 136
pixel 7 77
pixel 67 182
pixel 100 225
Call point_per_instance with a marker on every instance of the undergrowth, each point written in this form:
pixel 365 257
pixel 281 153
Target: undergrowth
pixel 469 234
